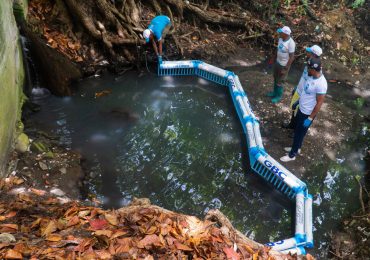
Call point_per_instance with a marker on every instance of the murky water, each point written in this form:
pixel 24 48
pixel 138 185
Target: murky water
pixel 178 142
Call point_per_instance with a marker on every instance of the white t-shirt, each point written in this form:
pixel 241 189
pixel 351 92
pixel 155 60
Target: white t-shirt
pixel 308 90
pixel 284 48
pixel 303 79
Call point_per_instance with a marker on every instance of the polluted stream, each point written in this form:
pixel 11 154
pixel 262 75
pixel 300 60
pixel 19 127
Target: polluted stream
pixel 178 142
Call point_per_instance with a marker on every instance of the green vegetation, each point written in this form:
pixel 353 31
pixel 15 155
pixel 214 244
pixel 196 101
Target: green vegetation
pixel 358 3
pixel 359 103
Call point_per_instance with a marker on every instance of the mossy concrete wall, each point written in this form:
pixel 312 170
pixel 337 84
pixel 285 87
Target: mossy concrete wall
pixel 11 80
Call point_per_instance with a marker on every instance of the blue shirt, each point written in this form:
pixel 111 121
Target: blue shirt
pixel 158 24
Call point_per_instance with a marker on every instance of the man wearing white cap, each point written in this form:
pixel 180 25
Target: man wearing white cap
pixel 155 33
pixel 311 97
pixel 313 51
pixel 284 58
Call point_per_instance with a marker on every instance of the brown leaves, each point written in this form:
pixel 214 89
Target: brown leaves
pixel 8 228
pixel 49 228
pixel 182 247
pixel 97 224
pixel 12 254
pixel 54 238
pixel 107 233
pixel 74 231
pixel 42 10
pixel 148 241
pixel 112 219
pixel 231 254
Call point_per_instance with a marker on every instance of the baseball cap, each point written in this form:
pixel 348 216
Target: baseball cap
pixel 315 49
pixel 146 35
pixel 285 30
pixel 314 63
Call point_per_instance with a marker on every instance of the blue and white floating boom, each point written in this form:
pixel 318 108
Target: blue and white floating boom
pixel 261 162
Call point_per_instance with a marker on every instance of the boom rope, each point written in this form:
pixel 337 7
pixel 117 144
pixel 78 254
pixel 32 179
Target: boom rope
pixel 261 162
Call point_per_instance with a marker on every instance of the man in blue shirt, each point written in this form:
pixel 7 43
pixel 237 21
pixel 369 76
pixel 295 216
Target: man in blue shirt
pixel 156 31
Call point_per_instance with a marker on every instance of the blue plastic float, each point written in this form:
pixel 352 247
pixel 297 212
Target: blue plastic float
pixel 261 162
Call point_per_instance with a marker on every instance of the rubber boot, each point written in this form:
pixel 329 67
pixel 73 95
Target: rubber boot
pixel 278 96
pixel 273 93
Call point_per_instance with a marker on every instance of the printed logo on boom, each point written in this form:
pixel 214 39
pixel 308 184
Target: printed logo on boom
pixel 274 169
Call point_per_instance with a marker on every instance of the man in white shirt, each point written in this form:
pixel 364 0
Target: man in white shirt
pixel 311 97
pixel 313 51
pixel 284 58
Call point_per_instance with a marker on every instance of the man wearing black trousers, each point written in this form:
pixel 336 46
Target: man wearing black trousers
pixel 311 97
pixel 313 51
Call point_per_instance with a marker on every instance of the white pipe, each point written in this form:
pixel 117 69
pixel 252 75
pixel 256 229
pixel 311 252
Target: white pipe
pixel 299 217
pixel 308 220
pixel 242 107
pixel 248 106
pixel 257 134
pixel 238 84
pixel 177 64
pixel 283 244
pixel 212 69
pixel 298 251
pixel 250 135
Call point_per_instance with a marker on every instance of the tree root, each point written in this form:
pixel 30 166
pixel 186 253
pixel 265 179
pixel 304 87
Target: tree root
pixel 119 25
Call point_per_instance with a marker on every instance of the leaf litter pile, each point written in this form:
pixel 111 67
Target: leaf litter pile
pixel 35 224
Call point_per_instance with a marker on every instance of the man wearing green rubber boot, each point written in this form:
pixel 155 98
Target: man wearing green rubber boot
pixel 284 59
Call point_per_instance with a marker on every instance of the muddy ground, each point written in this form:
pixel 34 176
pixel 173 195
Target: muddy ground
pixel 333 125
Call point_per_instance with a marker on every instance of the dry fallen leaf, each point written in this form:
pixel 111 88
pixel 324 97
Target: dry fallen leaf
pixel 54 238
pixel 73 221
pixel 50 228
pixel 97 224
pixel 103 254
pixel 119 233
pixel 10 228
pixel 11 214
pixel 230 253
pixel 148 240
pixel 182 247
pixel 112 219
pixel 83 213
pixel 12 254
pixel 107 233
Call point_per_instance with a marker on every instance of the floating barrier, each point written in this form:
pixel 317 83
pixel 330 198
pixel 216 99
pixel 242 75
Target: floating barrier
pixel 261 162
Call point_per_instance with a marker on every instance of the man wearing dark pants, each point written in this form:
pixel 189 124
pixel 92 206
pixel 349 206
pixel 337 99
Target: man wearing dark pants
pixel 311 97
pixel 284 58
pixel 313 51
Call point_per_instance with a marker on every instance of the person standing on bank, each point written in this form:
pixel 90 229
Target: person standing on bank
pixel 313 51
pixel 156 31
pixel 311 97
pixel 284 59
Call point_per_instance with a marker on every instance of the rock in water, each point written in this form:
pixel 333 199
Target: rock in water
pixel 39 93
pixel 57 192
pixel 22 143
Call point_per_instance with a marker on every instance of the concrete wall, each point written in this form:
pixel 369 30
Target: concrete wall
pixel 11 80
